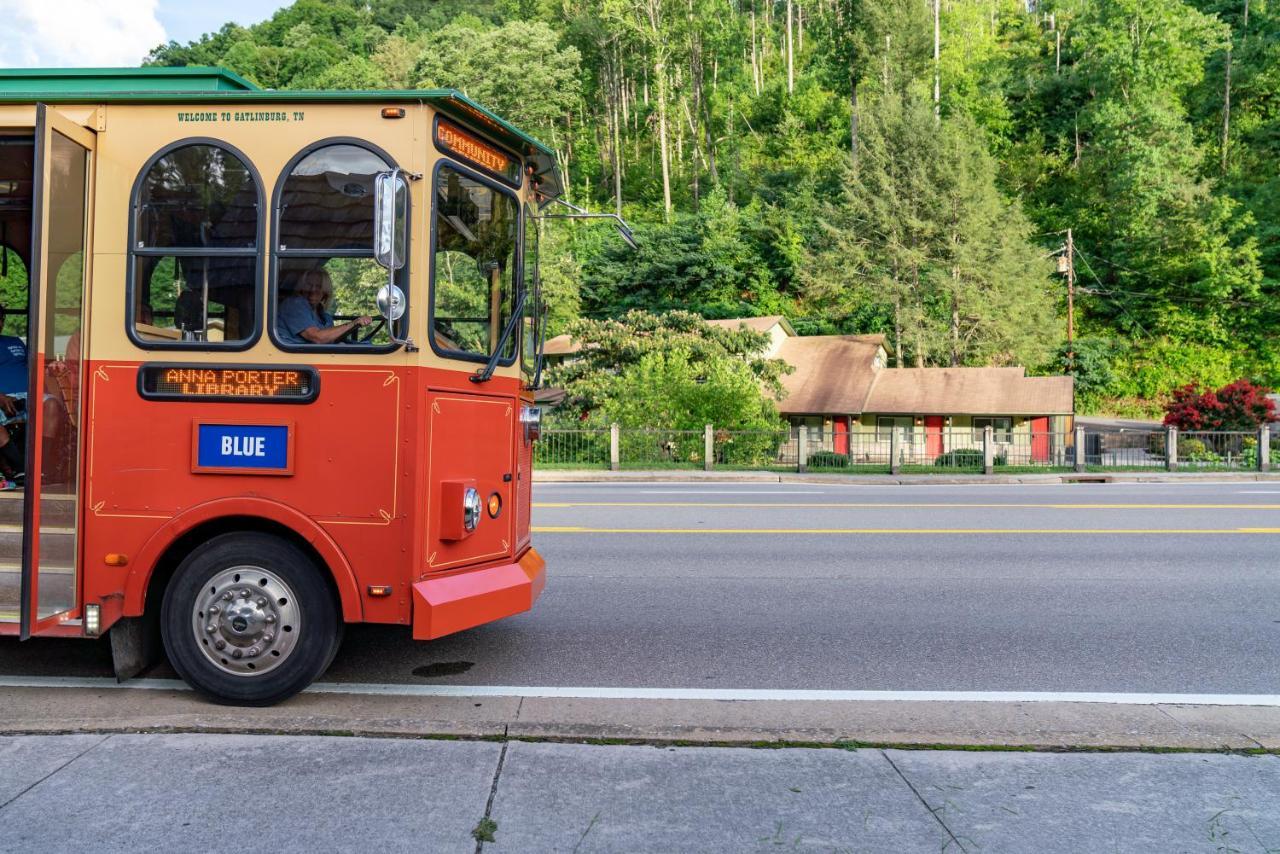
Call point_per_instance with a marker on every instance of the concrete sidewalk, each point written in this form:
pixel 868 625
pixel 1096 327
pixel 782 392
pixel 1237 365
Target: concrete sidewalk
pixel 262 793
pixel 832 478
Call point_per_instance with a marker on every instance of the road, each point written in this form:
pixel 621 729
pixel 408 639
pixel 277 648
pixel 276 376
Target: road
pixel 1164 588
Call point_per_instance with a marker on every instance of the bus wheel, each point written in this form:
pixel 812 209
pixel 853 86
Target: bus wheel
pixel 248 620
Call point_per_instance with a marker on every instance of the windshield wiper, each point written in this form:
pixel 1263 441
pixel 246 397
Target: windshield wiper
pixel 486 373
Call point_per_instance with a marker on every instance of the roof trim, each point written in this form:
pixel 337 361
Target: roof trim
pixel 449 101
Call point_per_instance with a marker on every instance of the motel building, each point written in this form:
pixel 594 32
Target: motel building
pixel 843 394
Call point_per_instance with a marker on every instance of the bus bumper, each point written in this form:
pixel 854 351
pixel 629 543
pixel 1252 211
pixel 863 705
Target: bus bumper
pixel 442 606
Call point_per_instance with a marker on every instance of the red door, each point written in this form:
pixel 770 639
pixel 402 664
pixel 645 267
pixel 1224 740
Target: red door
pixel 840 438
pixel 933 436
pixel 1040 440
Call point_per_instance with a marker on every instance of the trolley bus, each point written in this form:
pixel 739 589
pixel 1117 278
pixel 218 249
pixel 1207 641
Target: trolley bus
pixel 270 368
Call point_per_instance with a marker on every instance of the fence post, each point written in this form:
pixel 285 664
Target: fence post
pixel 614 454
pixel 895 450
pixel 1171 448
pixel 1264 447
pixel 1080 450
pixel 988 450
pixel 802 452
pixel 708 448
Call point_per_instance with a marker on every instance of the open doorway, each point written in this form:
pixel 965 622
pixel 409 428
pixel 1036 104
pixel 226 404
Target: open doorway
pixel 54 430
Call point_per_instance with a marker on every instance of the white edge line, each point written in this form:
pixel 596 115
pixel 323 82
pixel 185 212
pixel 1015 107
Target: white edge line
pixel 621 693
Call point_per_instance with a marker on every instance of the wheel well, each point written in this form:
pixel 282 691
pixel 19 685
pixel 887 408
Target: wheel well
pixel 182 546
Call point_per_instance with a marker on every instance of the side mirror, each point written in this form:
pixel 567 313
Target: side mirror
pixel 390 219
pixel 625 231
pixel 391 245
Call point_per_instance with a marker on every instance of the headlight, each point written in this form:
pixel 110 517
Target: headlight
pixel 470 509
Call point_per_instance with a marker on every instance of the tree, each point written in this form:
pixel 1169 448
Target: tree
pixel 610 348
pixel 923 230
pixel 518 70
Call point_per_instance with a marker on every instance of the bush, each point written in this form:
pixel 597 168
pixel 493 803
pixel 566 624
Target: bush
pixel 965 458
pixel 960 458
pixel 828 460
pixel 1240 405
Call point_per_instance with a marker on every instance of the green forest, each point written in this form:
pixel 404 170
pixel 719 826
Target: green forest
pixel 910 167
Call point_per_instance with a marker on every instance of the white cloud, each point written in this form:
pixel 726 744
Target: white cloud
pixel 78 33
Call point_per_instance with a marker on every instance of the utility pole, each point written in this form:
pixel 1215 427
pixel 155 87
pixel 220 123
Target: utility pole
pixel 1071 301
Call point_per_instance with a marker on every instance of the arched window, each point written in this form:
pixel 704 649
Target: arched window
pixel 194 249
pixel 325 281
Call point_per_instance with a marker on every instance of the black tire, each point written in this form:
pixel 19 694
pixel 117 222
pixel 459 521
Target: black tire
pixel 255 587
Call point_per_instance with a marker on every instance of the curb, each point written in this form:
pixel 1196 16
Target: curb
pixel 684 476
pixel 1052 726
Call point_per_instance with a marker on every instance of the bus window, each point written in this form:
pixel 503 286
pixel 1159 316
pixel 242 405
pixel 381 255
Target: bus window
pixel 475 227
pixel 193 264
pixel 326 280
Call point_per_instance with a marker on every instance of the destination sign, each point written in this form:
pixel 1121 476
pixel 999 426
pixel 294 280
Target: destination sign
pixel 229 383
pixel 252 448
pixel 470 147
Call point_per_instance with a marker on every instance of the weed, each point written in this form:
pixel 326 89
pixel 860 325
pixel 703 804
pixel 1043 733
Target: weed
pixel 484 830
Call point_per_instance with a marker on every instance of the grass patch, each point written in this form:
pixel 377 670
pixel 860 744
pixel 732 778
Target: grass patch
pixel 485 830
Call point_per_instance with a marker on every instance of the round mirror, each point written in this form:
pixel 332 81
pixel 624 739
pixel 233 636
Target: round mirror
pixel 391 302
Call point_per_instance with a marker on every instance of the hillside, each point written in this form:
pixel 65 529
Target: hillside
pixel 814 159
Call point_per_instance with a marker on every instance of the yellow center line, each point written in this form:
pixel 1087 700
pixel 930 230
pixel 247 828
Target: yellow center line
pixel 874 506
pixel 572 529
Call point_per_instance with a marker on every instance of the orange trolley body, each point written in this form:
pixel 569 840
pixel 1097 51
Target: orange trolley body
pixel 189 442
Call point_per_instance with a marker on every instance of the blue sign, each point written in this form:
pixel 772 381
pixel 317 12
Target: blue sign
pixel 236 446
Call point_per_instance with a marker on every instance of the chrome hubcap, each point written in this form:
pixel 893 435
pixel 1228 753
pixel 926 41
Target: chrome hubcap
pixel 246 620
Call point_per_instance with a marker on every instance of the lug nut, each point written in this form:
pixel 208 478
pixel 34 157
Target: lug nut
pixel 227 596
pixel 220 644
pixel 244 594
pixel 237 653
pixel 270 618
pixel 210 628
pixel 268 637
pixel 214 609
pixel 262 603
pixel 252 651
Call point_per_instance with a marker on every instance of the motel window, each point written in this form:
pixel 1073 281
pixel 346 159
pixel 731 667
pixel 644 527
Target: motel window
pixel 886 423
pixel 475 229
pixel 194 254
pixel 1001 429
pixel 324 276
pixel 812 423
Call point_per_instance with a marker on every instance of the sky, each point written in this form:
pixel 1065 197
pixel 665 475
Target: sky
pixel 106 33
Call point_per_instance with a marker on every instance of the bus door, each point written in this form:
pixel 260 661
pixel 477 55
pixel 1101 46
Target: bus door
pixel 59 275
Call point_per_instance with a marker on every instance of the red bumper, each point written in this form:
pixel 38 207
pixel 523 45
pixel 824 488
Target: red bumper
pixel 442 606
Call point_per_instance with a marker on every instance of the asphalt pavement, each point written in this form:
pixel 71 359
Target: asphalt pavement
pixel 263 793
pixel 1167 588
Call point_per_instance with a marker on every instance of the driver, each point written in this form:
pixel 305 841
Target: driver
pixel 305 318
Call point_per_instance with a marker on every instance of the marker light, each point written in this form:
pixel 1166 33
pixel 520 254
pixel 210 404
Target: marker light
pixel 92 620
pixel 470 509
pixel 380 590
pixel 393 112
pixel 495 505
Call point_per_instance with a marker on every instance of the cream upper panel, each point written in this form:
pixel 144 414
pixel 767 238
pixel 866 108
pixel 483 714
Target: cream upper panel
pixel 268 136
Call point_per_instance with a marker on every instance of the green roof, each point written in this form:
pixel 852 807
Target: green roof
pixel 24 81
pixel 197 84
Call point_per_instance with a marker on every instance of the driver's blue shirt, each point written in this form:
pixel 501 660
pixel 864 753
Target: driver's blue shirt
pixel 13 365
pixel 296 315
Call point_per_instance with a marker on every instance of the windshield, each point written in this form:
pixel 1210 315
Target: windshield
pixel 472 276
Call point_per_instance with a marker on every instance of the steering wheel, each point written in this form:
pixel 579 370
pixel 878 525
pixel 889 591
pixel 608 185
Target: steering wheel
pixel 351 336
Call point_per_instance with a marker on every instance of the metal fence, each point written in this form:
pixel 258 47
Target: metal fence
pixel 907 450
pixel 564 449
